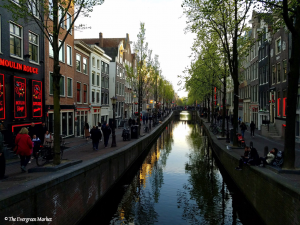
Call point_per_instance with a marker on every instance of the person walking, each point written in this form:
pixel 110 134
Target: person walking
pixel 36 146
pixel 243 128
pixel 252 128
pixel 32 130
pixel 106 132
pixel 239 120
pixel 95 136
pixel 24 147
pixel 87 132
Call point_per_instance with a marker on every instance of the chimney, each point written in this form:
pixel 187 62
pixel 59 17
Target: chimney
pixel 100 40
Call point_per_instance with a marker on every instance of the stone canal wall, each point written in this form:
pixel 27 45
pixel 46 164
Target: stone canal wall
pixel 67 195
pixel 275 199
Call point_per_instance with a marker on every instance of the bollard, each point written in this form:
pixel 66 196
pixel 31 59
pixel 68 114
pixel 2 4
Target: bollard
pixel 266 150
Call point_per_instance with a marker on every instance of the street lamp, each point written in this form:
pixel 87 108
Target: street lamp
pixel 113 143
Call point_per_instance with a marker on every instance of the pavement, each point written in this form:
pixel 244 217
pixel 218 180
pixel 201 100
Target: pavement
pixel 77 149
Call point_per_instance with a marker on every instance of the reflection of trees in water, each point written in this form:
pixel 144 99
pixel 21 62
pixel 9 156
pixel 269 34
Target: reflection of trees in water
pixel 137 205
pixel 204 198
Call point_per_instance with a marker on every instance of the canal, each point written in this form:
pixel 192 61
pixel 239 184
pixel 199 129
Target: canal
pixel 178 182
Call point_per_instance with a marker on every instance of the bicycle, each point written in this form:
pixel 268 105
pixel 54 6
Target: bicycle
pixel 212 127
pixel 45 154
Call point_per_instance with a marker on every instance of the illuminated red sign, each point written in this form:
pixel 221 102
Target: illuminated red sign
pixel 36 98
pixel 20 97
pixel 2 97
pixel 18 66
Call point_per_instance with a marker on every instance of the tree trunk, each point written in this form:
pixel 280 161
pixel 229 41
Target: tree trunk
pixel 224 106
pixel 293 76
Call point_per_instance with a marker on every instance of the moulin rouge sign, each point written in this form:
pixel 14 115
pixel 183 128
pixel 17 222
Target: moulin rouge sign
pixel 37 98
pixel 20 97
pixel 18 66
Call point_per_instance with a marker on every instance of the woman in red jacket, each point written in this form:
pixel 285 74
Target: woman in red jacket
pixel 24 143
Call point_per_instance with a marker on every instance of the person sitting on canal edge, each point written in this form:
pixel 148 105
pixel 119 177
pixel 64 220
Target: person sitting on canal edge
pixel 253 157
pixel 96 135
pixel 269 158
pixel 244 158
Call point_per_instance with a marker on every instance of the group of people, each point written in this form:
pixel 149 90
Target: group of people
pixel 96 134
pixel 243 128
pixel 252 158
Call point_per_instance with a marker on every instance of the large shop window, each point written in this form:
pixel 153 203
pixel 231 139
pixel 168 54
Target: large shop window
pixel 20 97
pixel 16 43
pixel 37 98
pixel 2 97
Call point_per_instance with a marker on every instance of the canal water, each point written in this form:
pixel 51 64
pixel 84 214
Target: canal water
pixel 179 182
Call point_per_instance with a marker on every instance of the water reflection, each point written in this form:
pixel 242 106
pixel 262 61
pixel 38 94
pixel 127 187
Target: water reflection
pixel 179 182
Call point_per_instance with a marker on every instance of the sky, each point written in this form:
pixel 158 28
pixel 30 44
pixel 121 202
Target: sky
pixel 164 24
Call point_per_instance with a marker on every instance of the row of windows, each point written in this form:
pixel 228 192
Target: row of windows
pixel 81 93
pixel 120 72
pixel 17 45
pixel 62 86
pixel 276 72
pixel 104 82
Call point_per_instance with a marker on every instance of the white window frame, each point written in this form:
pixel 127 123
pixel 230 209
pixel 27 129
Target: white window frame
pixel 79 63
pixel 93 61
pixel 69 22
pixel 69 55
pixel 98 78
pixel 62 49
pixel 37 45
pixel 50 9
pixel 21 40
pixel 34 10
pixel 60 12
pixel 69 78
pixel 98 64
pixel 85 72
pixel 276 48
pixel 50 47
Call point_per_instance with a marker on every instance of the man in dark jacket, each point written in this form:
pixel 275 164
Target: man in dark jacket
pixel 95 136
pixel 252 128
pixel 106 132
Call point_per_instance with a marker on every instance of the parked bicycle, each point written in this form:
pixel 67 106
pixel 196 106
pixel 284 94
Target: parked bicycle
pixel 46 153
pixel 212 127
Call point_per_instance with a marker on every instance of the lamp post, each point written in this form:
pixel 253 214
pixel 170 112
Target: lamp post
pixel 113 143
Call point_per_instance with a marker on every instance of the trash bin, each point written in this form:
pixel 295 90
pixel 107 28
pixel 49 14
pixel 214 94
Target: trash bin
pixel 231 135
pixel 134 131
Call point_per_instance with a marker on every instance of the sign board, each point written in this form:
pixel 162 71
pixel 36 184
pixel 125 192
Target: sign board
pixel 19 97
pixel 36 98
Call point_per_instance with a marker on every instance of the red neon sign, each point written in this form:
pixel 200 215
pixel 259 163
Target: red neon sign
pixel 284 106
pixel 278 107
pixel 2 97
pixel 22 125
pixel 20 97
pixel 36 98
pixel 18 66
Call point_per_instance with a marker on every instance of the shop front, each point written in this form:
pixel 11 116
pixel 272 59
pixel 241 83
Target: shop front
pixel 95 116
pixel 21 97
pixel 80 120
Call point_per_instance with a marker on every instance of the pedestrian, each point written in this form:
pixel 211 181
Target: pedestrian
pixel 106 132
pixel 48 139
pixel 95 136
pixel 243 128
pixel 87 131
pixel 2 159
pixel 252 128
pixel 32 130
pixel 147 119
pixel 43 131
pixel 129 122
pixel 36 146
pixel 144 119
pixel 239 120
pixel 24 147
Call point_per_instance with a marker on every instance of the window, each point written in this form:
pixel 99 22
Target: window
pixel 62 52
pixel 98 63
pixel 106 68
pixel 278 72
pixel 278 46
pixel 102 67
pixel 273 74
pixel 78 93
pixel 102 82
pixel 16 43
pixel 50 9
pixel 93 95
pixel 117 71
pixel 93 78
pixel 278 103
pixel 284 69
pixel 50 47
pixel 284 97
pixel 84 66
pixel 61 84
pixel 93 62
pixel 85 93
pixel 33 47
pixel 70 87
pixel 78 62
pixel 32 6
pixel 107 83
pixel 98 97
pixel 69 22
pixel 69 55
pixel 60 17
pixel 98 79
pixel 102 98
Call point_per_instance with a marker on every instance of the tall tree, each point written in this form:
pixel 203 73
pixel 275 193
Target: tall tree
pixel 50 16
